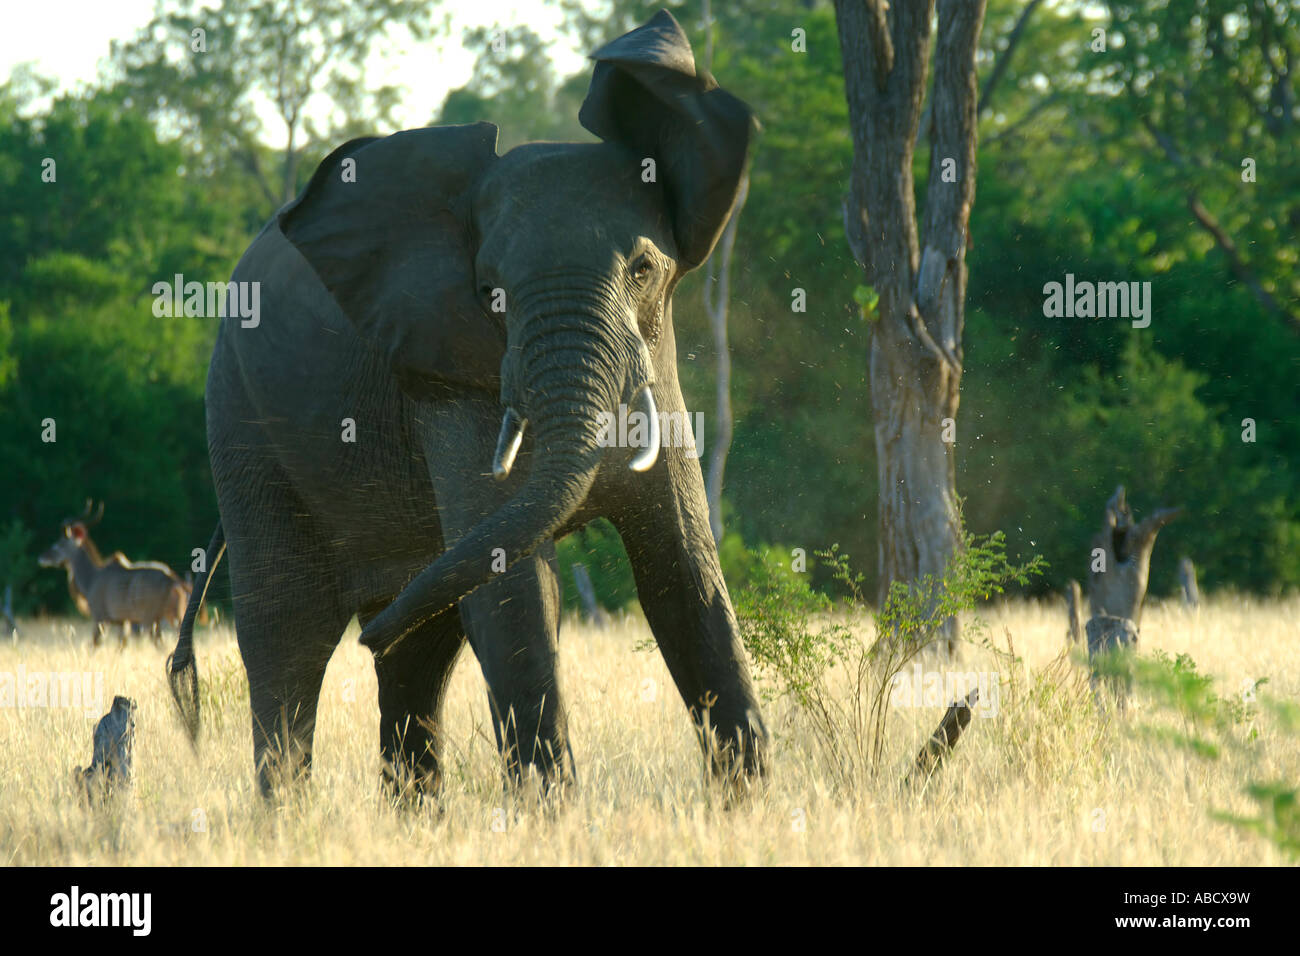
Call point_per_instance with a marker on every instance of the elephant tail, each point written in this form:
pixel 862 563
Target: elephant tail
pixel 182 668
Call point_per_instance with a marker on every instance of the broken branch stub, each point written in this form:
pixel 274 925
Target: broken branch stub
pixel 945 737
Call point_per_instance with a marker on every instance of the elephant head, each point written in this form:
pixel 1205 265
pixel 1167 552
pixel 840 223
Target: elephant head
pixel 423 236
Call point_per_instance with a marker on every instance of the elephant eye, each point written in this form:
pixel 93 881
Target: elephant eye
pixel 642 268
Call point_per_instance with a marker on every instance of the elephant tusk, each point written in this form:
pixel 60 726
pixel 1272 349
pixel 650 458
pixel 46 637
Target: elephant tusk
pixel 645 459
pixel 508 442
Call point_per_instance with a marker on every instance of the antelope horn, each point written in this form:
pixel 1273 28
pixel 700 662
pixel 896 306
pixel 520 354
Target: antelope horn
pixel 99 516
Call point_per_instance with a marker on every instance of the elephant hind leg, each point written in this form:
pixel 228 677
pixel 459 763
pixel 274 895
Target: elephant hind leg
pixel 413 678
pixel 286 666
pixel 288 621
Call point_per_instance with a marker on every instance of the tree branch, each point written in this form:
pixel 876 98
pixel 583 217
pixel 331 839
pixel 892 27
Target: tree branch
pixel 1004 58
pixel 1206 220
pixel 1029 114
pixel 945 737
pixel 1238 265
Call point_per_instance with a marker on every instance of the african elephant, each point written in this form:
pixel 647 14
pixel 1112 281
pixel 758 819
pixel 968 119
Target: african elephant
pixel 386 441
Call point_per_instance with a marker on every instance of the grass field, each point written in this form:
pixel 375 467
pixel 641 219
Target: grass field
pixel 1045 780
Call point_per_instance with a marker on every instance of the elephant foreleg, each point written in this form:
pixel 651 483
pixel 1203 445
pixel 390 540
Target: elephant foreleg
pixel 680 586
pixel 513 625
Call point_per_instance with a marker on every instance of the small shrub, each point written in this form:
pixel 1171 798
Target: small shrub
pixel 797 638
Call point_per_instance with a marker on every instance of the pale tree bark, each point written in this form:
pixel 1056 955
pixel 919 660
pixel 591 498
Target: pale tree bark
pixel 717 296
pixel 591 609
pixel 1187 578
pixel 920 276
pixel 1074 612
pixel 717 292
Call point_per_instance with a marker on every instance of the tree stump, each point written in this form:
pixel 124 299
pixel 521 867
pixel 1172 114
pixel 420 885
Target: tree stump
pixel 1187 576
pixel 1107 636
pixel 7 613
pixel 1120 562
pixel 1074 612
pixel 591 609
pixel 110 764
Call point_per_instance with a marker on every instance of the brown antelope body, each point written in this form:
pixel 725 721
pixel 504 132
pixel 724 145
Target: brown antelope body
pixel 119 591
pixel 89 518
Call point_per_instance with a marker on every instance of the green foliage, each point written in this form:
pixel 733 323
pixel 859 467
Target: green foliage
pixel 1087 164
pixel 599 547
pixel 207 70
pixel 798 640
pixel 515 86
pixel 1213 726
pixel 17 562
pixel 785 626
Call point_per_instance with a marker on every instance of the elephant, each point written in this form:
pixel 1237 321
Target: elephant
pixel 415 417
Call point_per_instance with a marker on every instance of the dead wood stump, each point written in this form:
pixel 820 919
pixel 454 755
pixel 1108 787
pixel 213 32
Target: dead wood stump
pixel 1120 563
pixel 1109 636
pixel 110 764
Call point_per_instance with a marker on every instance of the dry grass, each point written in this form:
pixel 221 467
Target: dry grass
pixel 1044 781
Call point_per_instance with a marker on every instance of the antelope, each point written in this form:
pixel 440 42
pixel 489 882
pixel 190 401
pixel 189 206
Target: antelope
pixel 86 521
pixel 119 591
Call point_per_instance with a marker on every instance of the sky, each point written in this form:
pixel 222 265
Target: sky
pixel 67 39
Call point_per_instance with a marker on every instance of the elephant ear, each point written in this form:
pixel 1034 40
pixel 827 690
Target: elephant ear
pixel 384 224
pixel 647 95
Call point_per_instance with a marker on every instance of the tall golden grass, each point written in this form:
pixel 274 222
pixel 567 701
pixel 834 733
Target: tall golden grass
pixel 1047 780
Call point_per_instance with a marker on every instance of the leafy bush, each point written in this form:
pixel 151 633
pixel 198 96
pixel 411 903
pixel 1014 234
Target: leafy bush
pixel 797 639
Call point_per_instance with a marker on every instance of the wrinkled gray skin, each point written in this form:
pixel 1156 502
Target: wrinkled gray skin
pixel 375 306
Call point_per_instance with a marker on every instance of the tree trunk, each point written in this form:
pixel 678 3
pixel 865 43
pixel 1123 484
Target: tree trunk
pixel 1120 562
pixel 1109 635
pixel 1187 577
pixel 591 608
pixel 716 302
pixel 916 342
pixel 7 612
pixel 1074 612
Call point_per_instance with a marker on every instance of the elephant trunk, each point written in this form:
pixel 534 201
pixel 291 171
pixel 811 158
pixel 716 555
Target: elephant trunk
pixel 570 372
